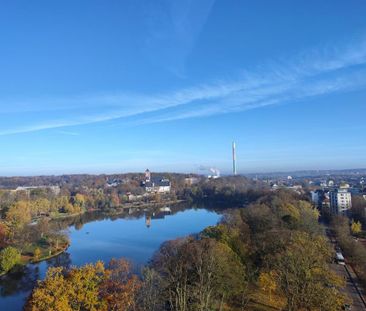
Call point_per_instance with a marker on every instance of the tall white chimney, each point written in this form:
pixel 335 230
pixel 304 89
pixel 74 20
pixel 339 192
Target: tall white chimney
pixel 234 158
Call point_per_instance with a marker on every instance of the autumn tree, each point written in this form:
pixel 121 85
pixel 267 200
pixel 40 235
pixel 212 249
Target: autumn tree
pixel 199 274
pixel 359 208
pixel 85 287
pixel 4 234
pixel 114 199
pixel 150 294
pixel 355 254
pixel 37 254
pixel 230 284
pixel 60 204
pixel 51 294
pixel 69 208
pixel 309 218
pixel 79 200
pixel 40 206
pixel 268 283
pixel 120 287
pixel 356 227
pixel 91 287
pixel 170 261
pixel 304 277
pixel 18 215
pixel 16 218
pixel 42 227
pixel 9 257
pixel 77 289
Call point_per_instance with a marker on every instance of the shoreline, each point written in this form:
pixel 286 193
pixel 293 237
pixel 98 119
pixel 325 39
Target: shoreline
pixel 115 211
pixel 27 262
pixel 118 210
pixel 50 256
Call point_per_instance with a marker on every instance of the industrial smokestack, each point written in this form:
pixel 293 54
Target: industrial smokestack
pixel 234 158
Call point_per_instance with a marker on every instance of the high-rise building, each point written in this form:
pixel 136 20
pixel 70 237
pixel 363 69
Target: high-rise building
pixel 340 201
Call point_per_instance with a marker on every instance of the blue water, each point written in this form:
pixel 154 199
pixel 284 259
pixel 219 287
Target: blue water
pixel 103 240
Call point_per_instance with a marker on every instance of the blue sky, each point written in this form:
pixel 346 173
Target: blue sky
pixel 119 86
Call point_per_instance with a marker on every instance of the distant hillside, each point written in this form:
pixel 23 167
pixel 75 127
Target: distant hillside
pixel 310 173
pixel 79 180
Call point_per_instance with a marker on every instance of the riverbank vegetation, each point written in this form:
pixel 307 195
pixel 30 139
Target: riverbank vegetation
pixel 26 224
pixel 271 255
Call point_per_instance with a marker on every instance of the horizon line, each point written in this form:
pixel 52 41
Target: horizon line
pixel 187 173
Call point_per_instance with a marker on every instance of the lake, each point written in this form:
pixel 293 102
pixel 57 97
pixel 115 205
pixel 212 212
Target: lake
pixel 135 235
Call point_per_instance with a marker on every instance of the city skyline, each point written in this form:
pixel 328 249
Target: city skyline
pixel 92 88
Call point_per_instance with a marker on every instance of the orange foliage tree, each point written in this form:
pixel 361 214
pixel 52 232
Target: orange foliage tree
pixel 91 287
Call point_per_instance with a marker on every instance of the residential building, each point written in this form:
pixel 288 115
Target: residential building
pixel 191 181
pixel 340 201
pixel 315 197
pixel 321 200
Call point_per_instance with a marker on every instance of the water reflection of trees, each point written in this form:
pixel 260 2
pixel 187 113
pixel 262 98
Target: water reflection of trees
pixel 24 278
pixel 62 260
pixel 133 213
pixel 21 279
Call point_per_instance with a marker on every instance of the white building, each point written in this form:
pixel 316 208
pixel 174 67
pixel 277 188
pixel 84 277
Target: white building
pixel 191 180
pixel 156 184
pixel 55 189
pixel 340 201
pixel 160 185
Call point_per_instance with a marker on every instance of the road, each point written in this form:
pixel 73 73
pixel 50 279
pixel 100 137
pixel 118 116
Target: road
pixel 352 289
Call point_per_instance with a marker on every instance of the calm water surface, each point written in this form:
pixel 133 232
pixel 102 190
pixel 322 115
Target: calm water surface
pixel 132 237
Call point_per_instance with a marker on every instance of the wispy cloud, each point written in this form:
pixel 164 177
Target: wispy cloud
pixel 176 25
pixel 314 73
pixel 69 133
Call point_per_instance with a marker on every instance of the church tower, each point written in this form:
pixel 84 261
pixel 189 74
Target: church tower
pixel 147 175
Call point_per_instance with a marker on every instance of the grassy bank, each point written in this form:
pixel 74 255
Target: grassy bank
pixel 47 255
pixel 29 254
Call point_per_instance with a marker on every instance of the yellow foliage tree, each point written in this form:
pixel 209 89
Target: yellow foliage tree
pixel 51 294
pixel 77 289
pixel 18 215
pixel 267 282
pixel 40 206
pixel 69 208
pixel 356 227
pixel 303 273
pixel 37 254
pixel 79 200
pixel 91 287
